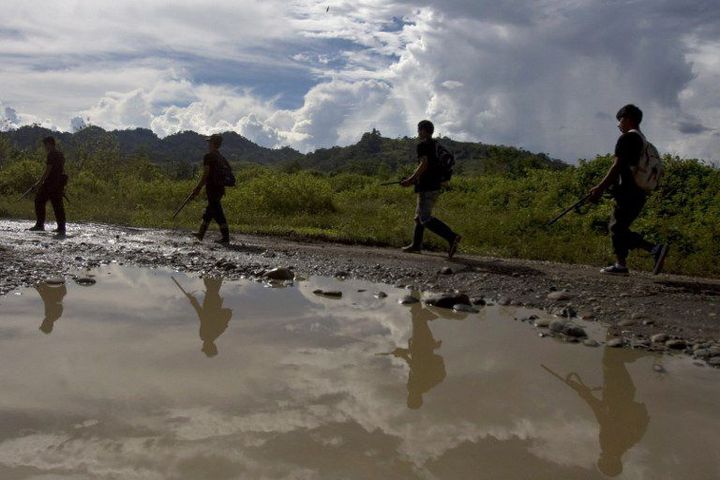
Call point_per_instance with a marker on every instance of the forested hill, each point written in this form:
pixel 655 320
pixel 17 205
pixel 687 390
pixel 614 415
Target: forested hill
pixel 372 154
pixel 374 151
pixel 183 147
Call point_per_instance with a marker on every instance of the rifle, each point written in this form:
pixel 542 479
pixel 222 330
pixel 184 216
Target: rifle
pixel 28 191
pixel 185 202
pixel 574 206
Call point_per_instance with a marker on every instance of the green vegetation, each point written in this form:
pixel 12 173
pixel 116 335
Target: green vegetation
pixel 501 212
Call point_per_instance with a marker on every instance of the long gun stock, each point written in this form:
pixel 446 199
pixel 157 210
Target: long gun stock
pixel 574 206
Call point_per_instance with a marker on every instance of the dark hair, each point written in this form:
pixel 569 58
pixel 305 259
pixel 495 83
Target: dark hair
pixel 630 112
pixel 216 139
pixel 426 125
pixel 48 141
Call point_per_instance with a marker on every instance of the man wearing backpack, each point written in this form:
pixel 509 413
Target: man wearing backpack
pixel 212 179
pixel 428 179
pixel 635 171
pixel 51 186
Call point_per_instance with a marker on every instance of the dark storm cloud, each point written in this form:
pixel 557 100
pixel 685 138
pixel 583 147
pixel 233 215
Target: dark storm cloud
pixel 692 128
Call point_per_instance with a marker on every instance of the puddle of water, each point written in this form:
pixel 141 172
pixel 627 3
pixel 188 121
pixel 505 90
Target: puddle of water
pixel 145 375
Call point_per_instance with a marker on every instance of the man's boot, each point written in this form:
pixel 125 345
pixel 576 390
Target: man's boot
pixel 225 231
pixel 36 228
pixel 416 245
pixel 440 228
pixel 201 231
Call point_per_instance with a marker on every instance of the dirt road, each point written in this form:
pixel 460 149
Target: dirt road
pixel 635 307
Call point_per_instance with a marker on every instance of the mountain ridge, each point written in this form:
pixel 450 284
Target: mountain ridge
pixel 373 153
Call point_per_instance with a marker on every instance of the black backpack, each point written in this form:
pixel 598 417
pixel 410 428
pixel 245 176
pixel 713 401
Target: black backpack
pixel 224 175
pixel 446 162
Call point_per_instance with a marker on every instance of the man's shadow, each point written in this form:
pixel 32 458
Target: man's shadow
pixel 52 296
pixel 213 317
pixel 623 420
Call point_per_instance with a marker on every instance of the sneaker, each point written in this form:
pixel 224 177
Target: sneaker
pixel 411 249
pixel 659 253
pixel 36 228
pixel 615 270
pixel 454 246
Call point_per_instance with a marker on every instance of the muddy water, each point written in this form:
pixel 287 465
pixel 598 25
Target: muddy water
pixel 132 378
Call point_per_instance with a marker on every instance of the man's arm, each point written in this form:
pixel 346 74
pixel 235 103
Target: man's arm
pixel 45 175
pixel 610 178
pixel 198 188
pixel 413 179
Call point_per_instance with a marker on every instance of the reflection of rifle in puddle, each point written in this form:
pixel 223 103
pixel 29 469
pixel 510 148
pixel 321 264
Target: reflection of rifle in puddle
pixel 574 384
pixel 398 353
pixel 182 289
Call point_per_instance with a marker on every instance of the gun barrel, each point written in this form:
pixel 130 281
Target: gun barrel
pixel 569 209
pixel 178 285
pixel 179 209
pixel 27 192
pixel 553 374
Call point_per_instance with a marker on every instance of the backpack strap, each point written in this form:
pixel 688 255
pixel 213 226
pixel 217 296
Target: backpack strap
pixel 642 135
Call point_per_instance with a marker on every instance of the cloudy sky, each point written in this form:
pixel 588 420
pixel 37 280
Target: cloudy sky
pixel 546 75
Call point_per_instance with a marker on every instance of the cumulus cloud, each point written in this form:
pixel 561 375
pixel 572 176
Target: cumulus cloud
pixel 547 76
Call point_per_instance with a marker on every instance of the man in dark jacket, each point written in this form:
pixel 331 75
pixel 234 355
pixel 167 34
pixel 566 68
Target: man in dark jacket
pixel 214 189
pixel 51 186
pixel 427 180
pixel 629 198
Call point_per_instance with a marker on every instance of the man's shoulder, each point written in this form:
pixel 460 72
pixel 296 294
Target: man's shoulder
pixel 426 146
pixel 632 136
pixel 55 155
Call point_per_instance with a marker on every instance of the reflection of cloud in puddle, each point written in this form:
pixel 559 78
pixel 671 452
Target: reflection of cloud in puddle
pixel 283 381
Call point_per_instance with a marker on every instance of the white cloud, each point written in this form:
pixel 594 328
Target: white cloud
pixel 545 75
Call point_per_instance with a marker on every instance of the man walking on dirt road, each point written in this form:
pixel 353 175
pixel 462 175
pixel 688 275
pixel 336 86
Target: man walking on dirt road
pixel 629 197
pixel 214 188
pixel 51 186
pixel 428 180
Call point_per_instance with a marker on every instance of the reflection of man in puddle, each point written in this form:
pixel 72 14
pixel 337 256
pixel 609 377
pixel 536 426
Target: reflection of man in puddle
pixel 213 317
pixel 52 296
pixel 427 369
pixel 623 421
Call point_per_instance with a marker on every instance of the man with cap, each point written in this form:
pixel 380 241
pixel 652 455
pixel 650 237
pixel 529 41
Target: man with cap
pixel 214 188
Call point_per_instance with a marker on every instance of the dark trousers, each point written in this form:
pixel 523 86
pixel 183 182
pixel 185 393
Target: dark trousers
pixel 627 209
pixel 214 211
pixel 56 199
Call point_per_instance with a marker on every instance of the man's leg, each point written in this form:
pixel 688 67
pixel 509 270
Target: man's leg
pixel 623 240
pixel 41 199
pixel 222 222
pixel 59 209
pixel 418 231
pixel 435 225
pixel 207 216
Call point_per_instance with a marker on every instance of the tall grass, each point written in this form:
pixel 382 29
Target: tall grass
pixel 497 215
